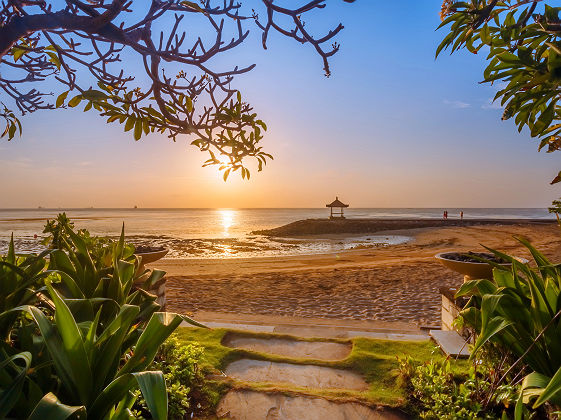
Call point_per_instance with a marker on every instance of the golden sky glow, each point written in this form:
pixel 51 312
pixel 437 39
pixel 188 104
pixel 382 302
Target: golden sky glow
pixel 408 133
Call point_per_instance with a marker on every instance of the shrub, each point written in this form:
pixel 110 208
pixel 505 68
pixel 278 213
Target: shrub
pixel 180 364
pixel 520 310
pixel 436 392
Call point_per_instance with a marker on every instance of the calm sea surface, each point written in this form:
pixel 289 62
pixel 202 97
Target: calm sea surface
pixel 220 233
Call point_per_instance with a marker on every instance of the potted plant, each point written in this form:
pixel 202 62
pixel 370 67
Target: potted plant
pixel 473 265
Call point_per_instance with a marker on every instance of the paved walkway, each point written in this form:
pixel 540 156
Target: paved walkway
pixel 314 327
pixel 254 405
pixel 243 404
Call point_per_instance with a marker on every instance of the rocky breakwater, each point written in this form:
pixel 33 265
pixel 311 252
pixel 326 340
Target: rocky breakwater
pixel 311 227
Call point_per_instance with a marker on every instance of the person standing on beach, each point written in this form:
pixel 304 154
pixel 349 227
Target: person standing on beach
pixel 461 215
pixel 444 215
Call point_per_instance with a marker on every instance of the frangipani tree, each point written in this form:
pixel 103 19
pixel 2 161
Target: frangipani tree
pixel 86 47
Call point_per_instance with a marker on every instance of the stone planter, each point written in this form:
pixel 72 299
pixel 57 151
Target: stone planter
pixel 451 308
pixel 470 270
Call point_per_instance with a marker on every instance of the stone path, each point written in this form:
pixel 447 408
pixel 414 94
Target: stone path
pixel 313 327
pixel 254 405
pixel 319 350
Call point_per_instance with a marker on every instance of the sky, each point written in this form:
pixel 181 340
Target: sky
pixel 392 127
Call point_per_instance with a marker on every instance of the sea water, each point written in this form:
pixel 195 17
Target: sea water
pixel 223 233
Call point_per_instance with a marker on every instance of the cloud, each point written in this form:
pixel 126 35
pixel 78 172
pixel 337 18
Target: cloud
pixel 492 105
pixel 456 104
pixel 22 162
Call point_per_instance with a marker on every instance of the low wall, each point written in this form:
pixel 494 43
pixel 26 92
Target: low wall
pixel 451 308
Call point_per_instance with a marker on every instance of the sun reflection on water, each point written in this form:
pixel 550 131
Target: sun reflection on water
pixel 227 220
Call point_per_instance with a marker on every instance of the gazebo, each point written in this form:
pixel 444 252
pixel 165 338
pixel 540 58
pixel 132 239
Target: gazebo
pixel 337 205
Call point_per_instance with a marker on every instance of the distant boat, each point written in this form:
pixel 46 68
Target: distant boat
pixel 39 207
pixel 135 207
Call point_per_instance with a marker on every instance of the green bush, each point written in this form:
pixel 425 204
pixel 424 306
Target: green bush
pixel 436 392
pixel 520 310
pixel 180 364
pixel 79 330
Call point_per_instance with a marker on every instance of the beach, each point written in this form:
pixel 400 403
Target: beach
pixel 388 283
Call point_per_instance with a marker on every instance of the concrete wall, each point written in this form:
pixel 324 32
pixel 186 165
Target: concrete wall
pixel 449 313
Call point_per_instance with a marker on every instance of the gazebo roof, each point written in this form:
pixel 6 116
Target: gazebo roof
pixel 337 203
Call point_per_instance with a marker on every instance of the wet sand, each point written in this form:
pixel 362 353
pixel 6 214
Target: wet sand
pixel 396 283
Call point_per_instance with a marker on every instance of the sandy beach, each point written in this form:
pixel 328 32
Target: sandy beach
pixel 393 283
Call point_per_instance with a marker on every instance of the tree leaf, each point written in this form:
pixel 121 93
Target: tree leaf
pixel 138 129
pixel 75 101
pixel 60 99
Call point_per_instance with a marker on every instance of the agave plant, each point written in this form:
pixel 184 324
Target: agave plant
pixel 520 310
pixel 93 272
pixel 89 359
pixel 80 332
pixel 20 280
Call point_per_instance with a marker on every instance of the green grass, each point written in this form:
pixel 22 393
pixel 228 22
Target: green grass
pixel 375 360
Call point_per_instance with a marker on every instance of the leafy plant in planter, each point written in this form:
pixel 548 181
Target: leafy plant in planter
pixel 520 310
pixel 80 339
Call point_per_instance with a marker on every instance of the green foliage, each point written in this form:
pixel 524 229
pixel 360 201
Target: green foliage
pixel 436 392
pixel 187 90
pixel 524 53
pixel 79 331
pixel 20 280
pixel 555 207
pixel 520 310
pixel 12 122
pixel 181 365
pixel 56 229
pixel 241 129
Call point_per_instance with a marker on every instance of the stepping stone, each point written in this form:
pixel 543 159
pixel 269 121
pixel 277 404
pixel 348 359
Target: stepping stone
pixel 309 376
pixel 319 350
pixel 251 405
pixel 451 343
pixel 393 336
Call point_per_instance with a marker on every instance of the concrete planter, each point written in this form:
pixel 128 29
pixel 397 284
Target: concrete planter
pixel 451 308
pixel 470 270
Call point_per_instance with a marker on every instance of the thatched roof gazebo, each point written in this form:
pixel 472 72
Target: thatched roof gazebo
pixel 337 205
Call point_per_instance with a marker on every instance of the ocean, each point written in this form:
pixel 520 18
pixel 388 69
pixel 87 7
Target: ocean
pixel 223 233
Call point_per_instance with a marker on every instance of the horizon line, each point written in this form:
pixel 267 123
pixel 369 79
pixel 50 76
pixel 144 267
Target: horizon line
pixel 260 208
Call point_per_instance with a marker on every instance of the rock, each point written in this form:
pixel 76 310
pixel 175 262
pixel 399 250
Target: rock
pixel 320 350
pixel 250 405
pixel 310 376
